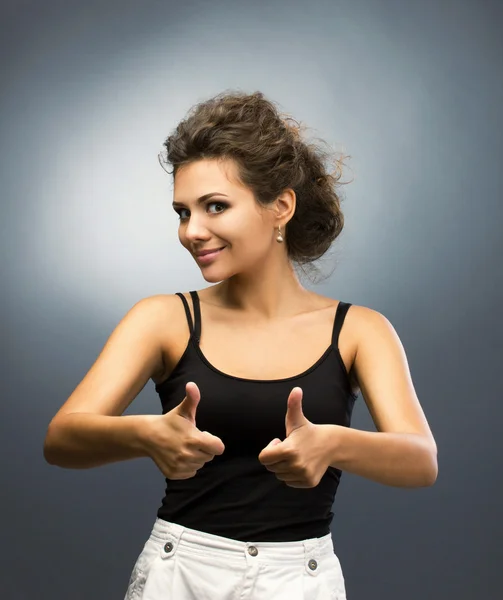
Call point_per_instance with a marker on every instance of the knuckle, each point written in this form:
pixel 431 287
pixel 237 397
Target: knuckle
pixel 191 442
pixel 182 455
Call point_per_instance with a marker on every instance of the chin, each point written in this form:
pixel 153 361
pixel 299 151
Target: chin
pixel 212 278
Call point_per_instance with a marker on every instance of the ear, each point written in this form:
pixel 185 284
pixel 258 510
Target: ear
pixel 284 206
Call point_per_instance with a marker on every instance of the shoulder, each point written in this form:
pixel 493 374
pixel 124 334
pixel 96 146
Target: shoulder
pixel 379 350
pixel 384 377
pixel 164 316
pixel 169 309
pixel 376 350
pixel 157 305
pixel 165 309
pixel 364 315
pixel 369 324
pixel 150 315
pixel 356 318
pixel 366 326
pixel 366 320
pixel 356 315
pixel 159 313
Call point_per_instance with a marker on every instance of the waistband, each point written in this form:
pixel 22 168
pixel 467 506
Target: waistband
pixel 179 537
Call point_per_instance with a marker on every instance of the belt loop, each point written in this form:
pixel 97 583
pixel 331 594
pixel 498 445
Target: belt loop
pixel 171 539
pixel 312 556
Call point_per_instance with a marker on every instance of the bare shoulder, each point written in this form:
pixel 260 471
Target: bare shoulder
pixel 158 313
pixel 370 331
pixel 362 317
pixel 354 316
pixel 132 354
pixel 366 322
pixel 159 306
pixel 384 377
pixel 365 335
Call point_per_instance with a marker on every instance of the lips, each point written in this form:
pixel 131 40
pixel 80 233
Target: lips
pixel 211 251
pixel 209 257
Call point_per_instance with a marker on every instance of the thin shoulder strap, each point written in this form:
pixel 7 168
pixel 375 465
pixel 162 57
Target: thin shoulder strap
pixel 187 311
pixel 340 315
pixel 197 316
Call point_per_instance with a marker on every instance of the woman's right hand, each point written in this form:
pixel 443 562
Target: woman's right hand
pixel 174 442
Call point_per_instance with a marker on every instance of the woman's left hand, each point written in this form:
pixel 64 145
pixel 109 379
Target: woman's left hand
pixel 302 458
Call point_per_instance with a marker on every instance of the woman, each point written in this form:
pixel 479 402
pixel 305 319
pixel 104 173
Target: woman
pixel 257 376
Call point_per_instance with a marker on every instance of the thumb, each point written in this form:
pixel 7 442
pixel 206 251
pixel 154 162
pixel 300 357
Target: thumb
pixel 294 416
pixel 273 443
pixel 187 408
pixel 263 454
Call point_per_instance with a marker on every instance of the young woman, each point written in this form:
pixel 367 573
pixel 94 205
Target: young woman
pixel 257 376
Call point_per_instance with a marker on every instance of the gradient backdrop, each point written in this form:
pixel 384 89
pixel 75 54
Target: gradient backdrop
pixel 413 91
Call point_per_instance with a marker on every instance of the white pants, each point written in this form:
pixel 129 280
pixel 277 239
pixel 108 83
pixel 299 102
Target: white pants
pixel 179 563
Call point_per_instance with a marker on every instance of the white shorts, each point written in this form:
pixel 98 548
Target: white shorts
pixel 179 563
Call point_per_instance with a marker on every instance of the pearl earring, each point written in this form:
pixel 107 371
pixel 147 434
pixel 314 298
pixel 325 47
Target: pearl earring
pixel 279 237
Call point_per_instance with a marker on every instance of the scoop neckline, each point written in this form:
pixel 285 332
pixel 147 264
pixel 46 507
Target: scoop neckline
pixel 246 379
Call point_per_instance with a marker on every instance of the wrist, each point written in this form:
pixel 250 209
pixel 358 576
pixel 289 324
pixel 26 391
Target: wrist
pixel 140 433
pixel 336 444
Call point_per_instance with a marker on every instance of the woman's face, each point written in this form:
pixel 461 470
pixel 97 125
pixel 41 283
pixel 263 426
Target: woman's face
pixel 228 216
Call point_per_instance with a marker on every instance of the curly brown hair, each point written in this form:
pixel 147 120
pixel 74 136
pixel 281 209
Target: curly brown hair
pixel 249 129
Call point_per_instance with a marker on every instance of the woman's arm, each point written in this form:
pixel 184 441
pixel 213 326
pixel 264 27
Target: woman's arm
pixel 86 440
pixel 403 451
pixel 89 430
pixel 396 459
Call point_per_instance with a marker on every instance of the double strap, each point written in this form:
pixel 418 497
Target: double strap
pixel 195 330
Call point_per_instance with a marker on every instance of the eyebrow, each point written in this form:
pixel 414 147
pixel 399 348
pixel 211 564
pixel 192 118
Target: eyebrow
pixel 202 199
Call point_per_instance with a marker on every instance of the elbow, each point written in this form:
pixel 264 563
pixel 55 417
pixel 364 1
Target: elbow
pixel 48 452
pixel 434 474
pixel 430 478
pixel 424 466
pixel 431 468
pixel 50 446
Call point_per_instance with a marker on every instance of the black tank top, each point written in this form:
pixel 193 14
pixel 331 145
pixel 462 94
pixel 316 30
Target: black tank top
pixel 234 495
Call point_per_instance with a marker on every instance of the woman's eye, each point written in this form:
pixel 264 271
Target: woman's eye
pixel 221 204
pixel 179 213
pixel 218 204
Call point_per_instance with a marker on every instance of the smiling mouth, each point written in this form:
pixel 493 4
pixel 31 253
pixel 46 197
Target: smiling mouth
pixel 207 253
pixel 207 257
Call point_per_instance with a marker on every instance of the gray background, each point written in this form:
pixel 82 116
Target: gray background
pixel 413 91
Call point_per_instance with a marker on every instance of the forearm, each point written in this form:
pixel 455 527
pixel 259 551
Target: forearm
pixel 395 459
pixel 85 440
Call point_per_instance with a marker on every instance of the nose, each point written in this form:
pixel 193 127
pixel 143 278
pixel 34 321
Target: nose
pixel 195 230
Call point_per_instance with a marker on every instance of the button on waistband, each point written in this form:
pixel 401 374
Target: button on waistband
pixel 312 564
pixel 252 551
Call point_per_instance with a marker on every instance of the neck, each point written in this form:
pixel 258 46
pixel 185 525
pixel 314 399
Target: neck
pixel 265 294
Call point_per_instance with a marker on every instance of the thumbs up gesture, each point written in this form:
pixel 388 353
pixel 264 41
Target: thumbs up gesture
pixel 174 442
pixel 302 458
